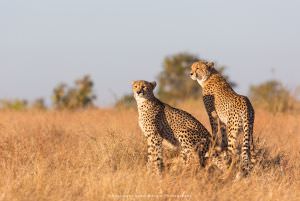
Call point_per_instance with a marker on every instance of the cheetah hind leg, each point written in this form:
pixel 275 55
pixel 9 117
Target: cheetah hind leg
pixel 186 155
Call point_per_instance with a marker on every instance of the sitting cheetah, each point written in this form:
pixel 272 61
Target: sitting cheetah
pixel 159 122
pixel 234 111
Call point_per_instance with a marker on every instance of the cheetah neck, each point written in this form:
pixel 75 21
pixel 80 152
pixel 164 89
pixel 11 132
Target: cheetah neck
pixel 201 82
pixel 141 101
pixel 217 83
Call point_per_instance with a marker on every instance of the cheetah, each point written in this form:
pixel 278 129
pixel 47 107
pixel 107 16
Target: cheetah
pixel 159 121
pixel 231 111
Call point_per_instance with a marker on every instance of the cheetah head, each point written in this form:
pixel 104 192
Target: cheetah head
pixel 201 70
pixel 143 89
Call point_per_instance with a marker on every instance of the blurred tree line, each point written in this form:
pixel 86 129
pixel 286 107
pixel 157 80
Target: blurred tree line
pixel 174 85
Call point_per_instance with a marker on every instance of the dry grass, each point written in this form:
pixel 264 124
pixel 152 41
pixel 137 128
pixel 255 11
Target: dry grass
pixel 101 155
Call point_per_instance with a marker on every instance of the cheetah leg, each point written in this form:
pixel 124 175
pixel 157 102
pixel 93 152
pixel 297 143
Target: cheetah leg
pixel 155 161
pixel 202 149
pixel 224 143
pixel 213 120
pixel 186 154
pixel 212 114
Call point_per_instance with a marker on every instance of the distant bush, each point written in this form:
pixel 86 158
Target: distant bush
pixel 273 96
pixel 79 96
pixel 17 104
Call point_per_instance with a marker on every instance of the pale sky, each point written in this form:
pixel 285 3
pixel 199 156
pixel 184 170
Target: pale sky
pixel 44 42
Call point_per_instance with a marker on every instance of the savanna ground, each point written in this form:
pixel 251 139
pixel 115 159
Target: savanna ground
pixel 100 154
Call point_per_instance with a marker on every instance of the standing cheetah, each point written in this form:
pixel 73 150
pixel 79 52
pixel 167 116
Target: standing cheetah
pixel 159 122
pixel 234 111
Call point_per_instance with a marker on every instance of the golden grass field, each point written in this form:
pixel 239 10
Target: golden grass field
pixel 100 154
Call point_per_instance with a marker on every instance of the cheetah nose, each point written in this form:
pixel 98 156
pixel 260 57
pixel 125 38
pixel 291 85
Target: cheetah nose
pixel 191 73
pixel 138 92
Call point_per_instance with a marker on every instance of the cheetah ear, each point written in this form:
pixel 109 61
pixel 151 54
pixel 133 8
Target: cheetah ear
pixel 153 84
pixel 210 64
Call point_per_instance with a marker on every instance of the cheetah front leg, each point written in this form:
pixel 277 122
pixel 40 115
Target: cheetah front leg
pixel 213 119
pixel 155 161
pixel 212 115
pixel 224 142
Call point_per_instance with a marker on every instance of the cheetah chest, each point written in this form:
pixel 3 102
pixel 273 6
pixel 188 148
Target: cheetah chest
pixel 147 124
pixel 141 124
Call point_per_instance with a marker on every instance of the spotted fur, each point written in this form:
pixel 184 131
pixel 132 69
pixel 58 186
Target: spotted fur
pixel 224 106
pixel 159 121
pixel 220 159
